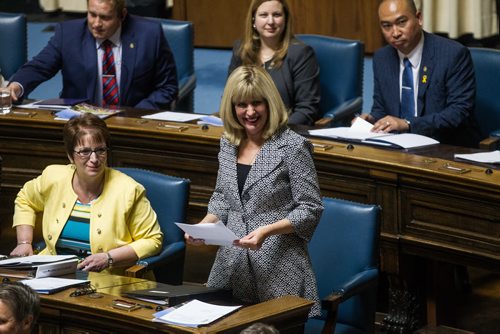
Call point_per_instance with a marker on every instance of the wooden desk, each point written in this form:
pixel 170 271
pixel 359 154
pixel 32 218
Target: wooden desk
pixel 429 211
pixel 62 313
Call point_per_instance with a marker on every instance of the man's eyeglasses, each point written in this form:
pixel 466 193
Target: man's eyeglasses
pixel 87 152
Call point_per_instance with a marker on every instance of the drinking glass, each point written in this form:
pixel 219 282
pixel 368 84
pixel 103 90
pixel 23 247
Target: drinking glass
pixel 5 101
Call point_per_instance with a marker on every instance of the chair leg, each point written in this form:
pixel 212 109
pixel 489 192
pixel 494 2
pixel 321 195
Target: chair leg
pixel 331 321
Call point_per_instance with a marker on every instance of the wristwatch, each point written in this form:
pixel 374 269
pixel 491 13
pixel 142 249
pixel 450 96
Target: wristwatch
pixel 409 125
pixel 110 260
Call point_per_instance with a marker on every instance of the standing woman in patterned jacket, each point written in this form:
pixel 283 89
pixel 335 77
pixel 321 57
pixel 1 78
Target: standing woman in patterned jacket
pixel 267 193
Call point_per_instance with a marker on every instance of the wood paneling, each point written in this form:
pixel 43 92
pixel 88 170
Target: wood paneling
pixel 218 23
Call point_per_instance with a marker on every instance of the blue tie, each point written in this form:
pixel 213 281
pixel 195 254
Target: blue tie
pixel 407 97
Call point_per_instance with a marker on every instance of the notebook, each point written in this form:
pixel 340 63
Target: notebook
pixel 59 102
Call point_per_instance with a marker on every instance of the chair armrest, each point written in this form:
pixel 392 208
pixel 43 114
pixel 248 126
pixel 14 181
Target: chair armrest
pixel 165 255
pixel 186 86
pixel 345 112
pixel 357 284
pixel 137 270
pixel 490 143
pixel 168 254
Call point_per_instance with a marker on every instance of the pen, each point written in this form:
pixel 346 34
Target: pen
pixel 24 113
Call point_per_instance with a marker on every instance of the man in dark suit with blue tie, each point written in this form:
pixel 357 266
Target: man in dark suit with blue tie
pixel 424 83
pixel 144 69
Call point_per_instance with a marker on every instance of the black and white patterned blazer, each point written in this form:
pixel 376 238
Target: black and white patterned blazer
pixel 282 183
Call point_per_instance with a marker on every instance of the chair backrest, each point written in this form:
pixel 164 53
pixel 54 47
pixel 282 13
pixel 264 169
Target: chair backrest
pixel 341 69
pixel 169 197
pixel 13 43
pixel 346 243
pixel 180 37
pixel 487 69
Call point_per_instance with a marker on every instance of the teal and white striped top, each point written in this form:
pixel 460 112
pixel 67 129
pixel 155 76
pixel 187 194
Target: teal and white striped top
pixel 75 237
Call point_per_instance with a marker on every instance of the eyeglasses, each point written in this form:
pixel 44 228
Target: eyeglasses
pixel 86 152
pixel 85 290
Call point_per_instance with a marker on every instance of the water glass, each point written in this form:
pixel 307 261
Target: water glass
pixel 5 101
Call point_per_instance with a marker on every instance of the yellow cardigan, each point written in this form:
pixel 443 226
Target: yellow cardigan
pixel 122 215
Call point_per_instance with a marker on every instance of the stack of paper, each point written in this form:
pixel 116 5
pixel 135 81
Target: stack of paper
pixel 50 285
pixel 173 116
pixel 39 266
pixel 194 314
pixel 484 157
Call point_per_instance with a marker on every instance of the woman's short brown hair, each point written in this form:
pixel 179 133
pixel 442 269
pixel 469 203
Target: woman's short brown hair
pixel 87 124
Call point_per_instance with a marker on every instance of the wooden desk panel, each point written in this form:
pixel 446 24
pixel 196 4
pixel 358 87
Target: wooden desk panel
pixel 421 200
pixel 428 210
pixel 64 314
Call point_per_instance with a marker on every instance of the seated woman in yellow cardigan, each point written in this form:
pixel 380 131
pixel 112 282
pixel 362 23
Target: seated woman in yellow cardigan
pixel 87 208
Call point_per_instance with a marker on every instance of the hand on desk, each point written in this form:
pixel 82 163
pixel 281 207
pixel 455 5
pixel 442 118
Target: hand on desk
pixel 387 123
pixel 95 262
pixel 22 250
pixel 391 124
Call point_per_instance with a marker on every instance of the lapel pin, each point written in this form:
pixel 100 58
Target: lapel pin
pixel 424 79
pixel 132 45
pixel 425 68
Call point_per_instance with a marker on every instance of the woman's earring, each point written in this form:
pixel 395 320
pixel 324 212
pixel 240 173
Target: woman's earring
pixel 254 26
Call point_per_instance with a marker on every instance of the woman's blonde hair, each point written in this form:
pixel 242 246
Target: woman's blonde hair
pixel 250 44
pixel 251 83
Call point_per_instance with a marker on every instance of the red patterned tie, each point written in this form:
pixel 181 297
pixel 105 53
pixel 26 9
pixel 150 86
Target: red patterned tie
pixel 109 83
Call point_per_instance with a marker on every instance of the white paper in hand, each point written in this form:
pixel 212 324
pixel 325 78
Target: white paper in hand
pixel 213 234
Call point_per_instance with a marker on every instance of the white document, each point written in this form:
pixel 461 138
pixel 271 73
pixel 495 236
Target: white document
pixel 404 140
pixel 34 260
pixel 49 285
pixel 196 313
pixel 173 116
pixel 360 131
pixel 213 234
pixel 57 268
pixel 484 157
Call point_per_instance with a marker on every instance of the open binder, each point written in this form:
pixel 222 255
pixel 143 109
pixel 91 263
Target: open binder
pixel 360 132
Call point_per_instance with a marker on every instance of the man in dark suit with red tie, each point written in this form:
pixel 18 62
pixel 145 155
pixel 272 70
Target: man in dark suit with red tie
pixel 142 66
pixel 424 83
